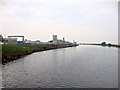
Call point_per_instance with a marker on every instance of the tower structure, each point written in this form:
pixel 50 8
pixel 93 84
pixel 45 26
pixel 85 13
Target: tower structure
pixel 55 40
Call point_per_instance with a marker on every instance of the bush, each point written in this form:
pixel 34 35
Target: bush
pixel 103 43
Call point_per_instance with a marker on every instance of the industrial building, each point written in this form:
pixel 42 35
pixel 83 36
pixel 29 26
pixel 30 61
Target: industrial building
pixel 13 40
pixel 55 40
pixel 10 40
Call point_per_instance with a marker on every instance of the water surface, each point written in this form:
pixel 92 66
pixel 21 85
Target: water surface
pixel 74 67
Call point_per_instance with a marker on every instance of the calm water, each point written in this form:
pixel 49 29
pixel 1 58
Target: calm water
pixel 81 67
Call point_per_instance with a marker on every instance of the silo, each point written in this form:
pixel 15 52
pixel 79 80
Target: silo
pixel 55 40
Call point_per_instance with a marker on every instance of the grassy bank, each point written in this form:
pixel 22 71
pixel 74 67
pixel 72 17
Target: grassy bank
pixel 12 52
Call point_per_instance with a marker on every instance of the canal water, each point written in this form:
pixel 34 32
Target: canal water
pixel 73 67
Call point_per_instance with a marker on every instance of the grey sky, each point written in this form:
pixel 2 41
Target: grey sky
pixel 80 20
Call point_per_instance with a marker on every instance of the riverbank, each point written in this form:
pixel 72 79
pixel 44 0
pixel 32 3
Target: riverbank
pixel 109 45
pixel 12 52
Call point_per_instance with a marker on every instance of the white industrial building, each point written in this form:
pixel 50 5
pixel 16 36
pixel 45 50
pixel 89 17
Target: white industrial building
pixel 10 40
pixel 55 40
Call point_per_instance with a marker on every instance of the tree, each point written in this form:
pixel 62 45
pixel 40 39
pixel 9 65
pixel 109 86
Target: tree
pixel 1 38
pixel 109 44
pixel 103 43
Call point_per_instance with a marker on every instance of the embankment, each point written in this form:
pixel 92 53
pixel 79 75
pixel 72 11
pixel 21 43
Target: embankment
pixel 109 45
pixel 12 52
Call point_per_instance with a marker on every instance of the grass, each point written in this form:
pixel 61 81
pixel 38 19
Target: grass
pixel 13 51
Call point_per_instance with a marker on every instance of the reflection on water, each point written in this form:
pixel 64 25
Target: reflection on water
pixel 81 67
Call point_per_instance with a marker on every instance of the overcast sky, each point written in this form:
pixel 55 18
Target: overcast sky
pixel 80 20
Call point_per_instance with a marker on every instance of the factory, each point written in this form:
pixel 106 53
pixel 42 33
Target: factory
pixel 15 40
pixel 57 41
pixel 10 40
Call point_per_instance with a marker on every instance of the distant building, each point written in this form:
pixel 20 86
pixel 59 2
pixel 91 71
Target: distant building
pixel 67 42
pixel 27 41
pixel 10 40
pixel 34 42
pixel 74 42
pixel 14 41
pixel 55 40
pixel 60 41
pixel 63 40
pixel 16 36
pixel 50 42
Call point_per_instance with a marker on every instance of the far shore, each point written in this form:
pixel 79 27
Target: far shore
pixel 102 44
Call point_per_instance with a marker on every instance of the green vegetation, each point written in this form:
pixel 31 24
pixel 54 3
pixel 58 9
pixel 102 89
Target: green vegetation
pixel 102 44
pixel 11 49
pixel 12 52
pixel 1 38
